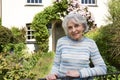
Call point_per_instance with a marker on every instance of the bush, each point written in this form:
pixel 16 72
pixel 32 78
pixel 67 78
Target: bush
pixel 17 49
pixel 6 37
pixel 111 39
pixel 114 33
pixel 41 36
pixel 11 68
pixel 107 39
pixel 19 35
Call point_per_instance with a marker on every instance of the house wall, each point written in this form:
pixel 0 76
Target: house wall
pixel 100 12
pixel 0 8
pixel 17 13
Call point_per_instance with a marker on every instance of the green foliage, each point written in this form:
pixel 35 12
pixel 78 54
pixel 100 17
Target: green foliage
pixel 30 62
pixel 16 45
pixel 13 38
pixel 41 19
pixel 41 36
pixel 114 10
pixel 31 67
pixel 113 31
pixel 112 44
pixel 44 64
pixel 107 38
pixel 17 49
pixel 6 37
pixel 61 8
pixel 11 68
pixel 19 34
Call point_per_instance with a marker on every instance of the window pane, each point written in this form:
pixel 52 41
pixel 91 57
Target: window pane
pixel 28 1
pixel 90 1
pixel 32 1
pixel 28 32
pixel 36 1
pixel 85 2
pixel 28 28
pixel 32 32
pixel 40 1
pixel 32 37
pixel 93 1
pixel 82 1
pixel 28 37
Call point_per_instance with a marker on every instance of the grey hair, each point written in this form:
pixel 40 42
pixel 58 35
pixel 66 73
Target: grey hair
pixel 78 18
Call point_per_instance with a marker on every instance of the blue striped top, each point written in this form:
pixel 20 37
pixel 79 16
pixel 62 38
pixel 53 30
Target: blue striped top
pixel 76 55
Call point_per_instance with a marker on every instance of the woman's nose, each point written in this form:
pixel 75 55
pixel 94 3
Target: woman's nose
pixel 73 29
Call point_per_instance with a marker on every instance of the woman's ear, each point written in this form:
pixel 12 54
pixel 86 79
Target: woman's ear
pixel 84 27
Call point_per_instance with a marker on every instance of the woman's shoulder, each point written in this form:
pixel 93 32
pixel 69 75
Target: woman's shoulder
pixel 88 39
pixel 63 38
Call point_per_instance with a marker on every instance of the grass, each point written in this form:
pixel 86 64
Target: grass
pixel 43 67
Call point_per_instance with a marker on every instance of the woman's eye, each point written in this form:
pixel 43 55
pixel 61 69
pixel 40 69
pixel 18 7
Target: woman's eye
pixel 76 25
pixel 69 27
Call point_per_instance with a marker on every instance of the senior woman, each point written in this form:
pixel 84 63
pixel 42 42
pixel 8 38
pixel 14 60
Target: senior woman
pixel 74 52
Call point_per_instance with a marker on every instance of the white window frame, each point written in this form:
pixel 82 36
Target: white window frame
pixel 29 33
pixel 33 2
pixel 89 2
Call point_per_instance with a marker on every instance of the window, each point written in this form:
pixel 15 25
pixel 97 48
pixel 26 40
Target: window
pixel 29 33
pixel 89 2
pixel 34 2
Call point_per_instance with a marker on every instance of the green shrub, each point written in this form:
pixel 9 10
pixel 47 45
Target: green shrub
pixel 11 68
pixel 112 41
pixel 19 35
pixel 41 36
pixel 6 37
pixel 17 49
pixel 16 41
pixel 114 10
pixel 30 62
pixel 112 33
pixel 107 39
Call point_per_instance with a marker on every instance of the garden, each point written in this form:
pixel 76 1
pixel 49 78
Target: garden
pixel 18 64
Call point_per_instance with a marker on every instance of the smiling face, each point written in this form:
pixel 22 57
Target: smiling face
pixel 75 30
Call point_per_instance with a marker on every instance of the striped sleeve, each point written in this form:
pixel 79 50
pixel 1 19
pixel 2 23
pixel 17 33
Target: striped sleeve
pixel 98 62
